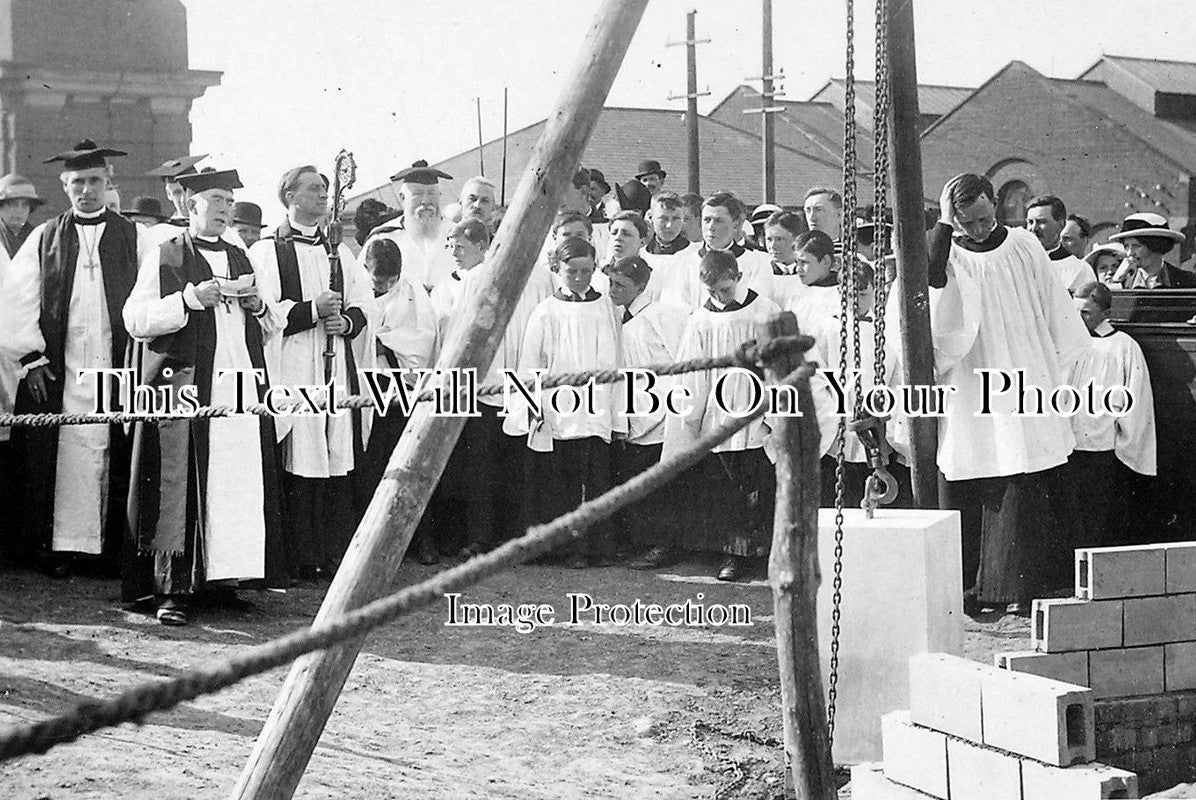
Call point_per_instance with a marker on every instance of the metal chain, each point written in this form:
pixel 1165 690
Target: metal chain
pixel 880 237
pixel 736 767
pixel 847 300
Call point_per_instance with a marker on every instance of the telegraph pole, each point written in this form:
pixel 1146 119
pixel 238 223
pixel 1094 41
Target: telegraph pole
pixel 768 92
pixel 691 96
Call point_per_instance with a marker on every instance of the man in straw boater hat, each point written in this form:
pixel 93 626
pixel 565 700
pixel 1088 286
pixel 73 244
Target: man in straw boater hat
pixel 1147 239
pixel 420 232
pixel 18 199
pixel 197 308
pixel 1004 308
pixel 62 315
pixel 322 452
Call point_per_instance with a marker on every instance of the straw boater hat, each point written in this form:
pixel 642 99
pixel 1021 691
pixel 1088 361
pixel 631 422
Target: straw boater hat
pixel 1096 252
pixel 1146 224
pixel 763 212
pixel 15 187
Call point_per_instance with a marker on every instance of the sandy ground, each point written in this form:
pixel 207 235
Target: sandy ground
pixel 429 711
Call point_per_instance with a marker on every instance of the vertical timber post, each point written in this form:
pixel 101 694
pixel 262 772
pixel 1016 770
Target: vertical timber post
pixel 691 112
pixel 912 259
pixel 767 136
pixel 315 681
pixel 794 576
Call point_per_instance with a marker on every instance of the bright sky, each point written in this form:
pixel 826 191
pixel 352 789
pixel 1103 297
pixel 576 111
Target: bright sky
pixel 393 81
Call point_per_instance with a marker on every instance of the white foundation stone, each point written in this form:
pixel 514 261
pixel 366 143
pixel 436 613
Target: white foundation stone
pixel 902 595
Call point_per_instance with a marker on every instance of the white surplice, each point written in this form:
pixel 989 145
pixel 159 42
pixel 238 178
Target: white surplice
pixel 1115 359
pixel 234 530
pixel 318 446
pixel 683 287
pixel 651 337
pixel 426 261
pixel 1003 309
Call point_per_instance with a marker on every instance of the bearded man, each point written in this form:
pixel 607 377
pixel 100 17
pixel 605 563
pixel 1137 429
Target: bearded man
pixel 420 233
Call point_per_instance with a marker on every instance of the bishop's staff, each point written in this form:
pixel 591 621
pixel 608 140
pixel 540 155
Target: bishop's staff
pixel 344 174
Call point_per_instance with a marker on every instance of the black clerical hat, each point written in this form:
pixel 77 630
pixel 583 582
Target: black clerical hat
pixel 146 207
pixel 597 177
pixel 634 196
pixel 420 172
pixel 175 167
pixel 208 178
pixel 87 154
pixel 246 213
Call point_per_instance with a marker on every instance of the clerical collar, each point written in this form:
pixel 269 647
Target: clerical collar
pixel 738 301
pixel 784 269
pixel 1058 254
pixel 571 297
pixel 1103 330
pixel 659 248
pixel 305 230
pixel 735 249
pixel 994 240
pixel 211 243
pixel 89 218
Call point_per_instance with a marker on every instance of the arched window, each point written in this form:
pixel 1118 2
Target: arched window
pixel 1012 200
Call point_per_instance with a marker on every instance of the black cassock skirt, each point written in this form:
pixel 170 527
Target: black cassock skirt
pixel 727 503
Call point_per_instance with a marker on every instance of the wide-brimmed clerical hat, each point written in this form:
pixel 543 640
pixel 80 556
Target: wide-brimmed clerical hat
pixel 597 177
pixel 85 155
pixel 146 207
pixel 172 169
pixel 650 166
pixel 1146 223
pixel 246 213
pixel 16 187
pixel 420 172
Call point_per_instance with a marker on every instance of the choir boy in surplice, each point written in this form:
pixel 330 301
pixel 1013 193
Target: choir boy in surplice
pixel 781 230
pixel 60 313
pixel 651 334
pixel 204 501
pixel 573 330
pixel 814 304
pixel 1114 462
pixel 321 452
pixel 728 496
pixel 403 332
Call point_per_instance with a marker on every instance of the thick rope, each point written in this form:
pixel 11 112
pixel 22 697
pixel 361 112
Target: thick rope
pixel 749 355
pixel 134 704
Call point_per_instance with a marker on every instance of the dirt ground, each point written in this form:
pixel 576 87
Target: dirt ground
pixel 429 711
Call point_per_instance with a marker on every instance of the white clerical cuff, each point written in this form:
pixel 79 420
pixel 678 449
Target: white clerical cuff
pixel 191 299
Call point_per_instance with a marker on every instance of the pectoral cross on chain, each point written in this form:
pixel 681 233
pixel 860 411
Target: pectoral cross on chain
pixel 92 266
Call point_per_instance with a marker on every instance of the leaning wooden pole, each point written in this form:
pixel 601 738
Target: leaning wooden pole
pixel 794 576
pixel 368 571
pixel 912 260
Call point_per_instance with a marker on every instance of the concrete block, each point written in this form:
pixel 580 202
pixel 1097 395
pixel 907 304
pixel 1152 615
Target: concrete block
pixel 945 694
pixel 1158 620
pixel 1047 720
pixel 1081 782
pixel 1123 672
pixel 902 595
pixel 869 783
pixel 980 773
pixel 914 756
pixel 1104 573
pixel 1181 567
pixel 1179 666
pixel 1067 667
pixel 1071 624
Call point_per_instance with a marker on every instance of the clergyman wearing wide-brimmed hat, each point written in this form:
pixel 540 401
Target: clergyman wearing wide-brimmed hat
pixel 18 198
pixel 1147 239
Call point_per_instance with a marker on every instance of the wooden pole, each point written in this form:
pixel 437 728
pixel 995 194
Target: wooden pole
pixel 767 137
pixel 794 576
pixel 481 148
pixel 909 218
pixel 691 107
pixel 502 201
pixel 368 571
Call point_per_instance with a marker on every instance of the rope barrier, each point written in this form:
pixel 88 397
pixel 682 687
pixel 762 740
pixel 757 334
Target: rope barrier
pixel 749 355
pixel 134 704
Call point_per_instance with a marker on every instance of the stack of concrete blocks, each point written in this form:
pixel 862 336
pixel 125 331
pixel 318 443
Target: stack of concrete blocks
pixel 1129 634
pixel 976 732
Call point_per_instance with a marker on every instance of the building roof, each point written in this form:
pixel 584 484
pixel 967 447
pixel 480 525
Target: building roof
pixel 933 100
pixel 1170 77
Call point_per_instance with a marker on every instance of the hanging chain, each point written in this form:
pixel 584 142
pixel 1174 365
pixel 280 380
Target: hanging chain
pixel 880 235
pixel 847 301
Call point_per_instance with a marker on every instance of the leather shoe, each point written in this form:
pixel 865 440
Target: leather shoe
pixel 731 569
pixel 659 556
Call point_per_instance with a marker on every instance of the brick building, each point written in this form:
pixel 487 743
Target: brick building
pixel 115 71
pixel 1119 138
